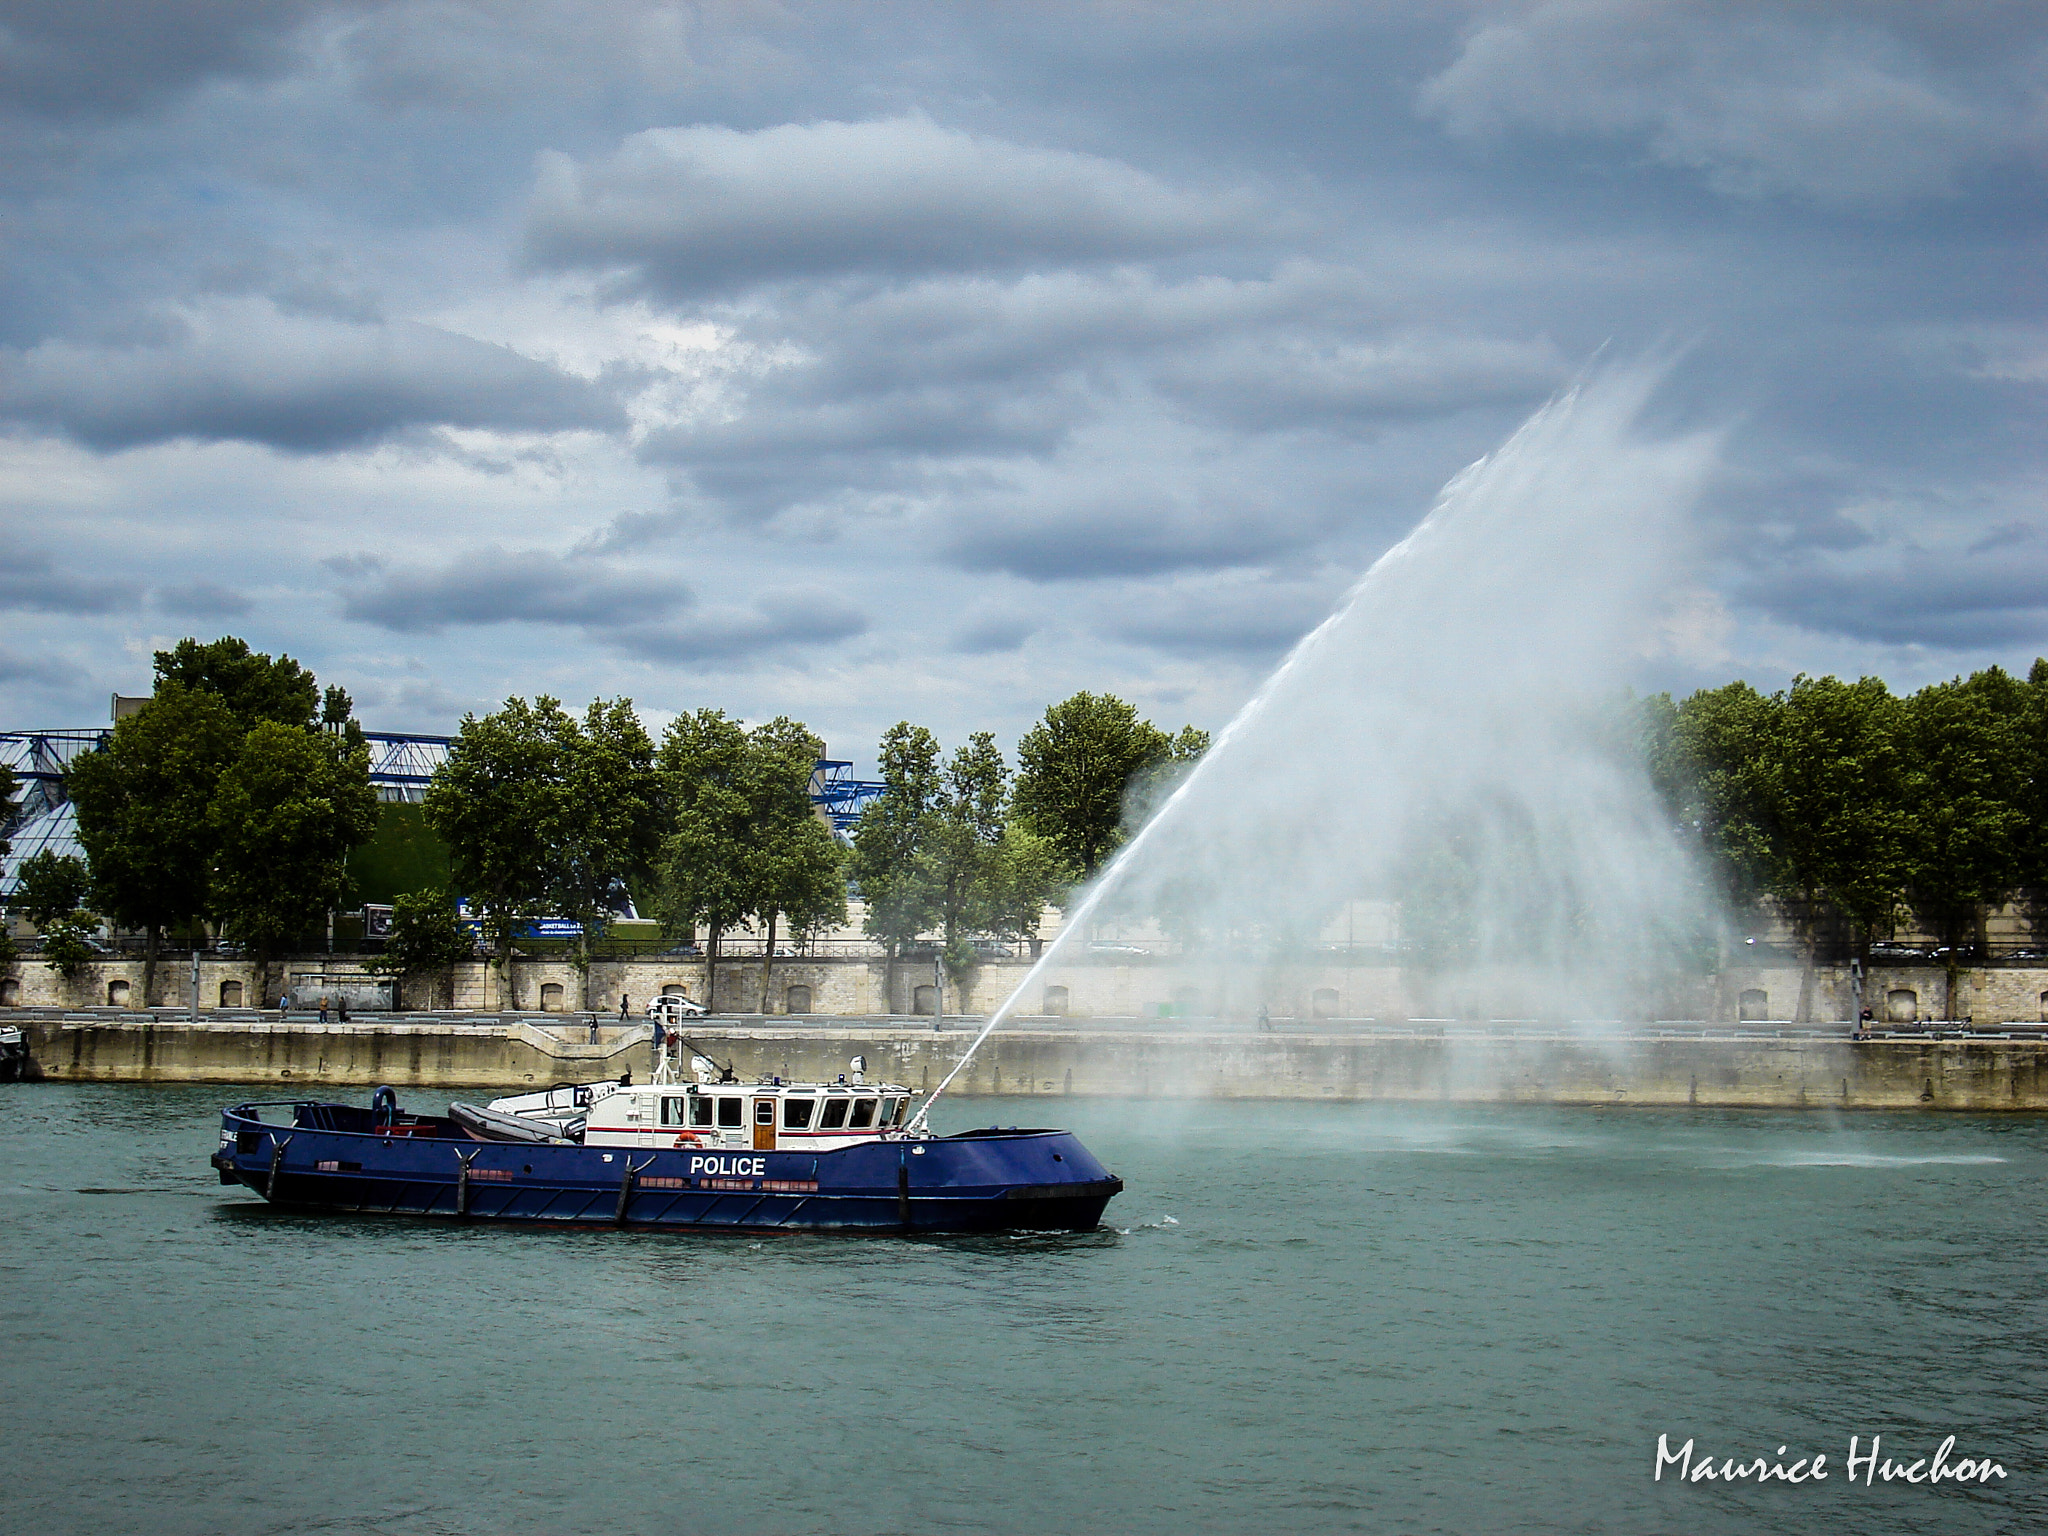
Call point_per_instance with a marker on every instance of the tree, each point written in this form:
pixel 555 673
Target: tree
pixel 287 812
pixel 254 686
pixel 961 856
pixel 428 938
pixel 490 801
pixel 144 812
pixel 51 891
pixel 801 868
pixel 886 840
pixel 709 871
pixel 1708 763
pixel 605 826
pixel 1077 768
pixel 49 886
pixel 1966 742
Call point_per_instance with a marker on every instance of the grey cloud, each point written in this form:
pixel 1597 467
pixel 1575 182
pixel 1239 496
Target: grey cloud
pixel 48 671
pixel 1265 383
pixel 201 600
pixel 629 607
pixel 1120 530
pixel 1863 109
pixel 778 620
pixel 1253 620
pixel 245 372
pixel 80 58
pixel 994 634
pixel 1992 595
pixel 30 579
pixel 689 211
pixel 495 586
pixel 890 394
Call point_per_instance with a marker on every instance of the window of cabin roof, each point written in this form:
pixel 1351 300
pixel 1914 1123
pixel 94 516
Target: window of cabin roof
pixel 796 1112
pixel 863 1114
pixel 835 1114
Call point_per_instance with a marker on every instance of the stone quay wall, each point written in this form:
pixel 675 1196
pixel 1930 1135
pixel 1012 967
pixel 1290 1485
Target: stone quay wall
pixel 1087 986
pixel 1179 1061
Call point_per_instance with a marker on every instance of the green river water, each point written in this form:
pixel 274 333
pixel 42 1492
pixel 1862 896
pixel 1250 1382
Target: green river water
pixel 1305 1318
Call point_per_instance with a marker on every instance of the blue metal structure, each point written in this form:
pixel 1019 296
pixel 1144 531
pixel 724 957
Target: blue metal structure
pixel 838 795
pixel 45 823
pixel 400 766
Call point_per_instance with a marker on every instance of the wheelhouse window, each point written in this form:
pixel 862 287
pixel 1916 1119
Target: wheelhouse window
pixel 901 1106
pixel 863 1114
pixel 673 1111
pixel 888 1111
pixel 796 1113
pixel 700 1110
pixel 729 1113
pixel 835 1114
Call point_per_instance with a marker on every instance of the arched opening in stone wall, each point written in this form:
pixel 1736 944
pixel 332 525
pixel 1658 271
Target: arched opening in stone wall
pixel 10 992
pixel 551 997
pixel 797 999
pixel 117 994
pixel 231 994
pixel 1322 1003
pixel 2044 1007
pixel 1754 1005
pixel 1187 1001
pixel 924 1000
pixel 1054 1001
pixel 675 989
pixel 1901 1005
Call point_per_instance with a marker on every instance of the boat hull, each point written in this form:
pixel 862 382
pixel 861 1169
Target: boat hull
pixel 978 1181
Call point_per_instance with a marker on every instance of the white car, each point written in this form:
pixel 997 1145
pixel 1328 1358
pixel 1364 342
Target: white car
pixel 671 1006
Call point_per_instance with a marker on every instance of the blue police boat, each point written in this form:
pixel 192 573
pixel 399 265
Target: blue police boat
pixel 713 1154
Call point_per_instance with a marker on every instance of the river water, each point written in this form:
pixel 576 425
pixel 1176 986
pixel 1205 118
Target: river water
pixel 1307 1318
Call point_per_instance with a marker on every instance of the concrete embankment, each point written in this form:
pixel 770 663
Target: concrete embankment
pixel 1315 1062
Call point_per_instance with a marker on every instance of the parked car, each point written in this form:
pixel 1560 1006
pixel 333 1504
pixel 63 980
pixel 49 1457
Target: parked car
pixel 673 1006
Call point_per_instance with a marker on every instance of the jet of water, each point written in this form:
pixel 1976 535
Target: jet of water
pixel 1447 745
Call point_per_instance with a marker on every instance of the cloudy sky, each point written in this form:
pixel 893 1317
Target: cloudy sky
pixel 879 360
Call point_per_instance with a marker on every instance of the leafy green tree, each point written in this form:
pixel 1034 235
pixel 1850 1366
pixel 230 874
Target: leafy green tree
pixel 709 862
pixel 490 801
pixel 961 852
pixel 68 943
pixel 744 840
pixel 1076 771
pixel 1708 758
pixel 51 891
pixel 287 813
pixel 897 901
pixel 50 885
pixel 254 686
pixel 1833 773
pixel 428 939
pixel 144 808
pixel 1966 742
pixel 800 867
pixel 886 838
pixel 604 828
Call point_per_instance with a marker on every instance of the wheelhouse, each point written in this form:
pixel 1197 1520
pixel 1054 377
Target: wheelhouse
pixel 767 1116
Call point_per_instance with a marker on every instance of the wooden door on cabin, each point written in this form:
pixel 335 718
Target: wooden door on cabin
pixel 764 1125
